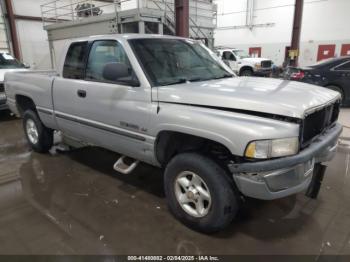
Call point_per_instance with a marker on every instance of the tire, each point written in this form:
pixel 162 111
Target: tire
pixel 246 72
pixel 39 137
pixel 338 89
pixel 222 206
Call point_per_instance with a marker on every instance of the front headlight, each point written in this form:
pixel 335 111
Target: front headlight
pixel 257 65
pixel 265 149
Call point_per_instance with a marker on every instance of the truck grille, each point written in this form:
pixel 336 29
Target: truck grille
pixel 317 122
pixel 2 89
pixel 266 64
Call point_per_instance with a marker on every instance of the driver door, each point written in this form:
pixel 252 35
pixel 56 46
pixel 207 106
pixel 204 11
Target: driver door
pixel 110 114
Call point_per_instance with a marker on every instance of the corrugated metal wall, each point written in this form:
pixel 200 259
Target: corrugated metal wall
pixel 4 36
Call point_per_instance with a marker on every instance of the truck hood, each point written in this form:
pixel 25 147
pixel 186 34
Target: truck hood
pixel 263 95
pixel 255 59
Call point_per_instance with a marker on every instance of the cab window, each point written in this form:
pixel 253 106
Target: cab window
pixel 103 53
pixel 228 56
pixel 75 61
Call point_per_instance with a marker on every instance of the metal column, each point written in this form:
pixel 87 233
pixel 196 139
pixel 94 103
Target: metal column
pixel 182 15
pixel 13 29
pixel 160 28
pixel 298 16
pixel 142 28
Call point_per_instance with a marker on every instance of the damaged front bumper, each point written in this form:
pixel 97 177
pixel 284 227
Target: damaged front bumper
pixel 263 71
pixel 3 104
pixel 277 178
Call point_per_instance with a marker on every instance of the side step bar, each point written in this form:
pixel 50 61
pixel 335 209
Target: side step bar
pixel 121 167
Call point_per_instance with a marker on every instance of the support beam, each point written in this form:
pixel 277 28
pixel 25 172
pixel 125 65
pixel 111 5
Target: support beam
pixel 250 14
pixel 142 28
pixel 182 17
pixel 13 29
pixel 28 18
pixel 160 29
pixel 298 17
pixel 34 18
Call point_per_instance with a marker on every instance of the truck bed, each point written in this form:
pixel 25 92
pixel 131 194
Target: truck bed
pixel 36 85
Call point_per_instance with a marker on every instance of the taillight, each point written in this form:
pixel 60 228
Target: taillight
pixel 297 75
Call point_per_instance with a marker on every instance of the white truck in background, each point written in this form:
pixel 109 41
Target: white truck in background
pixel 243 64
pixel 7 64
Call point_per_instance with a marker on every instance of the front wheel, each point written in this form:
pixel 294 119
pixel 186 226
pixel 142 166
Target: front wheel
pixel 200 193
pixel 246 72
pixel 39 137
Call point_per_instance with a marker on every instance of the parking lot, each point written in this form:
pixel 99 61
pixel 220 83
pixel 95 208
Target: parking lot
pixel 74 203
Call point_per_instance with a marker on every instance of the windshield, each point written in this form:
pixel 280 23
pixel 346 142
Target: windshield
pixel 173 61
pixel 241 54
pixel 9 62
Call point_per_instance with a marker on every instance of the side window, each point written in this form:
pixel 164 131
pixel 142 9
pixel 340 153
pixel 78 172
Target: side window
pixel 225 55
pixel 103 53
pixel 228 56
pixel 343 67
pixel 75 61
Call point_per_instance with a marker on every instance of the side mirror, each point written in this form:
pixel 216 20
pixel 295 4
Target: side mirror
pixel 115 71
pixel 119 72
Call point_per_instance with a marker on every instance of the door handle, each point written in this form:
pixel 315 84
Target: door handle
pixel 81 93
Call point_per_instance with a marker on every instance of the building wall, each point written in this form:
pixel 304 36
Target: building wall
pixel 324 22
pixel 33 40
pixel 34 46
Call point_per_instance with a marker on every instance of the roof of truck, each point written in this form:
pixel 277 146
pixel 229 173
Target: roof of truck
pixel 125 36
pixel 226 49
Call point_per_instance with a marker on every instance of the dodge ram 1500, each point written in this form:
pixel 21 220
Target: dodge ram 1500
pixel 172 103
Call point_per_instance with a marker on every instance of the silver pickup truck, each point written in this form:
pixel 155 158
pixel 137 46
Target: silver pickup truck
pixel 170 102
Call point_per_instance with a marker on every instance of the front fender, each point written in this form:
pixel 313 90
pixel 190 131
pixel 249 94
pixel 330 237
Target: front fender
pixel 232 130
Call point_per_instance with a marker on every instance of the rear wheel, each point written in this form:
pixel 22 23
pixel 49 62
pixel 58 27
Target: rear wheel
pixel 338 89
pixel 200 193
pixel 39 137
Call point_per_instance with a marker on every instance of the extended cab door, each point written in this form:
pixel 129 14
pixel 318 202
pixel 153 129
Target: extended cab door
pixel 114 115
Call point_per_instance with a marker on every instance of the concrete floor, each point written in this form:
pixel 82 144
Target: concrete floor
pixel 74 203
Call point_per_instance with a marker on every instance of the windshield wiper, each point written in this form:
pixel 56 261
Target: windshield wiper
pixel 224 76
pixel 184 80
pixel 197 79
pixel 175 82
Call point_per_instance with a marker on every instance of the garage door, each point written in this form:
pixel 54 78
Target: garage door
pixel 345 49
pixel 255 51
pixel 325 51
